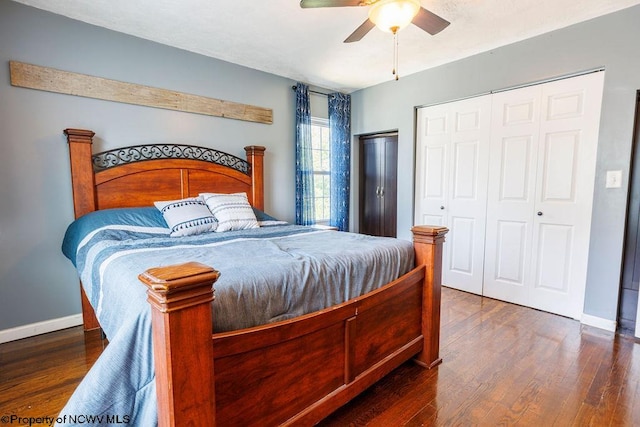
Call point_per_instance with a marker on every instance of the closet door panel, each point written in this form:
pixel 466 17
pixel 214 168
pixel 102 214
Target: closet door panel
pixel 515 169
pixel 461 259
pixel 452 169
pixel 569 125
pixel 432 185
pixel 511 194
pixel 555 243
pixel 559 177
pixel 389 188
pixel 465 171
pixel 433 139
pixel 372 169
pixel 435 159
pixel 432 220
pixel 431 188
pixel 467 201
pixel 511 241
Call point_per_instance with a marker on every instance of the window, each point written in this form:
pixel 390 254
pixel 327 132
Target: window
pixel 320 149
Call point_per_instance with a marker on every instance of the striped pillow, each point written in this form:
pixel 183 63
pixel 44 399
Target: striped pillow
pixel 232 211
pixel 188 216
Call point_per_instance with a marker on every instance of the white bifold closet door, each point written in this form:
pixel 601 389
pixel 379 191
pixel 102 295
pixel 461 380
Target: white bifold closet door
pixel 542 160
pixel 452 153
pixel 512 176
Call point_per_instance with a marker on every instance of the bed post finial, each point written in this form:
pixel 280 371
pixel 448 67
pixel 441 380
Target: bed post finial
pixel 84 194
pixel 180 298
pixel 427 242
pixel 255 156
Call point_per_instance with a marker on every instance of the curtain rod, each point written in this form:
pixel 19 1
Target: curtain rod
pixel 294 87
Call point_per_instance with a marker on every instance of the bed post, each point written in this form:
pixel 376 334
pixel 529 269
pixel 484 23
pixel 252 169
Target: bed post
pixel 255 156
pixel 427 242
pixel 84 197
pixel 180 298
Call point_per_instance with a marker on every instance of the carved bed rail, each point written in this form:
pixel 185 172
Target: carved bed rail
pixel 294 372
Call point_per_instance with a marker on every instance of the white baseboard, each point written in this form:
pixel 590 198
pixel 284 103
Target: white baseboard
pixel 38 328
pixel 599 322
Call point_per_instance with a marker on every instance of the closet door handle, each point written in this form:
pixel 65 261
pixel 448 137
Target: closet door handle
pixel 378 191
pixel 539 213
pixel 441 208
pixel 381 191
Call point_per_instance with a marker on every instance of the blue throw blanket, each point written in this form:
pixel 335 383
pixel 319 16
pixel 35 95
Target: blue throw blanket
pixel 266 275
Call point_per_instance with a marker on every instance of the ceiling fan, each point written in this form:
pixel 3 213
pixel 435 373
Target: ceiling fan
pixel 388 15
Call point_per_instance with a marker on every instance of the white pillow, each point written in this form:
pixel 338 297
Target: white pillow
pixel 232 211
pixel 188 216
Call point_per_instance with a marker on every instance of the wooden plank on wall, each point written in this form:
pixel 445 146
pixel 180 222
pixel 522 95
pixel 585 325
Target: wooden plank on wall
pixel 58 81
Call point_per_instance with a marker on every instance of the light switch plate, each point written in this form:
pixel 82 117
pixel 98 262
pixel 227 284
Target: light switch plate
pixel 614 179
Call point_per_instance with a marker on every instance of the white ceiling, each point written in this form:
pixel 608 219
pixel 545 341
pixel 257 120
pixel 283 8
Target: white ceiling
pixel 279 37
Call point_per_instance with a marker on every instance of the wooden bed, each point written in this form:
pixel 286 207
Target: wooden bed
pixel 294 372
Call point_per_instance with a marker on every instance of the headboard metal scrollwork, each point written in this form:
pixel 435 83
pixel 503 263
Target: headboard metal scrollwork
pixel 139 153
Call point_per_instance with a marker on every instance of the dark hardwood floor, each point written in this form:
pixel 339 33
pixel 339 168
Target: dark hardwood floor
pixel 503 365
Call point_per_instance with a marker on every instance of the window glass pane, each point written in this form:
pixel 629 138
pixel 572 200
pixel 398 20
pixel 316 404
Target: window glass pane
pixel 322 194
pixel 325 138
pixel 317 159
pixel 321 167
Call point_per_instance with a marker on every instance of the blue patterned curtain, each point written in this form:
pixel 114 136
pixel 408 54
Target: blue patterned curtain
pixel 340 134
pixel 304 161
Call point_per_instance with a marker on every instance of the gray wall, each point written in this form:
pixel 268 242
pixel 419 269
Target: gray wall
pixel 36 282
pixel 611 42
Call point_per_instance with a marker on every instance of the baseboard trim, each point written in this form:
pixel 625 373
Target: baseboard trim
pixel 599 322
pixel 38 328
pixel 33 329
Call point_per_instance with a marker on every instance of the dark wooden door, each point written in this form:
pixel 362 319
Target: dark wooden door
pixel 631 265
pixel 378 184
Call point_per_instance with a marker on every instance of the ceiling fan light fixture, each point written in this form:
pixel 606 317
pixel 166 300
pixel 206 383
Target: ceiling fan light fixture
pixel 393 15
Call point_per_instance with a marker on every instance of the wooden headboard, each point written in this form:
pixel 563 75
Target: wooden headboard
pixel 143 174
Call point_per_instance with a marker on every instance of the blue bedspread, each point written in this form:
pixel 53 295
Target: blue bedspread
pixel 266 275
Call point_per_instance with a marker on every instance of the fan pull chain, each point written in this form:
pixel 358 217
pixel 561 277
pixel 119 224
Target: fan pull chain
pixel 395 54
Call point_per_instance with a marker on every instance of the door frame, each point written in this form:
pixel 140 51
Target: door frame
pixel 630 255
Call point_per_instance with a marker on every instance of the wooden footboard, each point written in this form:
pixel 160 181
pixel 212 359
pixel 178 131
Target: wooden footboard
pixel 292 372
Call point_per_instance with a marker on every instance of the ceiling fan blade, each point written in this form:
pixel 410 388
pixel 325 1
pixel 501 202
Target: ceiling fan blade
pixel 429 21
pixel 360 32
pixel 329 3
